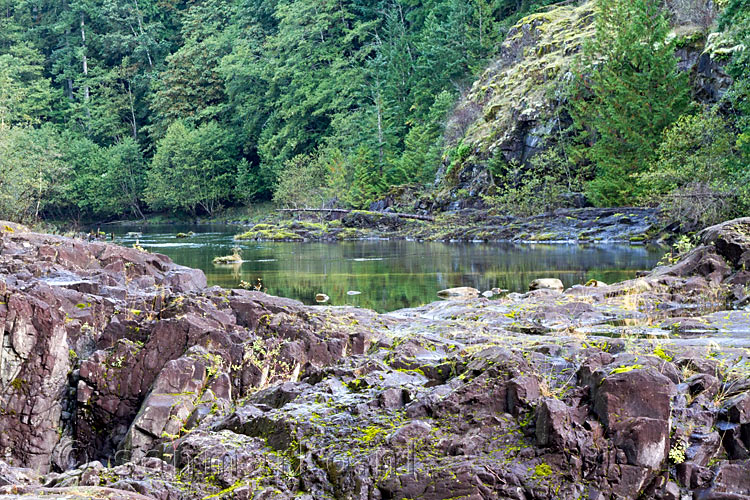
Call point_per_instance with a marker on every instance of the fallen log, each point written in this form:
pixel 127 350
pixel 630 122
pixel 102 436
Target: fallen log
pixel 347 211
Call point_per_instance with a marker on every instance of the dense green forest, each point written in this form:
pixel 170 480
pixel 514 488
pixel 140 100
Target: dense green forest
pixel 113 108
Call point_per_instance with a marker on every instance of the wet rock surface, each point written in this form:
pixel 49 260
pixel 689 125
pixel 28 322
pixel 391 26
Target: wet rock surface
pixel 585 225
pixel 124 377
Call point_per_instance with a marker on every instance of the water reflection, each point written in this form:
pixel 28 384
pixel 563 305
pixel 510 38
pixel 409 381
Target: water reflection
pixel 390 274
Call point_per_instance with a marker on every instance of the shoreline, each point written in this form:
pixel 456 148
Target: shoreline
pixel 143 367
pixel 635 226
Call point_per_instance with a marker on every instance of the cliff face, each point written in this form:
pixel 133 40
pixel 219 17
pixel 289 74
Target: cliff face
pixel 516 108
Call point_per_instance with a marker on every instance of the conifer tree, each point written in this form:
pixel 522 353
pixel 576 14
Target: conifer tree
pixel 631 93
pixel 368 182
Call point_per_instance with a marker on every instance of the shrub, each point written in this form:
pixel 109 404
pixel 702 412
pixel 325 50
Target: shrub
pixel 301 182
pixel 547 183
pixel 695 177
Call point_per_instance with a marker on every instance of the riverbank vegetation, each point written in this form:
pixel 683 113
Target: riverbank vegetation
pixel 119 108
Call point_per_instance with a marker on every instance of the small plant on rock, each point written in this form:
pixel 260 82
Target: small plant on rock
pixel 679 249
pixel 677 452
pixel 235 258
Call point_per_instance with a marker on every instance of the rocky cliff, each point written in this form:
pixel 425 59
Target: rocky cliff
pixel 124 377
pixel 516 108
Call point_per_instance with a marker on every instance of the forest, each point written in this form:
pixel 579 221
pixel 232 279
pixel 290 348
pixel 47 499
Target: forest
pixel 121 108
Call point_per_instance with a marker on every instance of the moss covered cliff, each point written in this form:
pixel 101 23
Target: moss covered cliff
pixel 516 109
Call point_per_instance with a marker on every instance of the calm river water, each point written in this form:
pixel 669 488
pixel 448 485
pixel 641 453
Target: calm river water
pixel 389 274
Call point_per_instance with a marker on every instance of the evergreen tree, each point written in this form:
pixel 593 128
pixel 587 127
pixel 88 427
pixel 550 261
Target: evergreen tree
pixel 26 97
pixel 368 181
pixel 191 87
pixel 629 91
pixel 423 145
pixel 312 70
pixel 735 23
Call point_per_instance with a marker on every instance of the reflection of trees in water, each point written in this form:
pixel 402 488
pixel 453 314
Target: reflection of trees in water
pixel 407 274
pixel 411 273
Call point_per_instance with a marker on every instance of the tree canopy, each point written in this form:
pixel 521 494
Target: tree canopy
pixel 114 108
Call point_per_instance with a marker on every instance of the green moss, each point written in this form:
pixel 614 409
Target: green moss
pixel 542 470
pixel 625 369
pixel 690 36
pixel 348 233
pixel 660 353
pixel 18 384
pixel 418 371
pixel 371 433
pixel 543 237
pixel 269 235
pixel 309 226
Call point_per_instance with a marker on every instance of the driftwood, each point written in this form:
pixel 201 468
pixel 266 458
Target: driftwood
pixel 345 211
pixel 703 195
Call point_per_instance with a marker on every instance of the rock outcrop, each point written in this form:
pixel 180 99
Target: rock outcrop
pixel 115 349
pixel 625 225
pixel 120 357
pixel 516 108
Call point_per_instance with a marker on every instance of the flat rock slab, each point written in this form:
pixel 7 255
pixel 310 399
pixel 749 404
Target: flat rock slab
pixel 76 493
pixel 462 292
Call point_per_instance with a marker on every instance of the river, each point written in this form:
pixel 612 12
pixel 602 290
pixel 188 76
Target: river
pixel 388 275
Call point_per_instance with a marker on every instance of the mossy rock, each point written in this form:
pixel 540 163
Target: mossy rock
pixel 263 227
pixel 533 62
pixel 269 235
pixel 543 237
pixel 348 233
pixel 307 226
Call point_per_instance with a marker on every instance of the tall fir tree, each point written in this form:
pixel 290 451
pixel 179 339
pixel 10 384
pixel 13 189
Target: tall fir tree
pixel 368 183
pixel 629 90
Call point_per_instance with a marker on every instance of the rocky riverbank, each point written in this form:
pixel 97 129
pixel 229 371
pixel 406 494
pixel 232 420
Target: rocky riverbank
pixel 124 377
pixel 584 225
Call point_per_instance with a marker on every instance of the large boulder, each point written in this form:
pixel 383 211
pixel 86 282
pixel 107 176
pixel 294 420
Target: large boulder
pixel 547 284
pixel 731 239
pixel 634 404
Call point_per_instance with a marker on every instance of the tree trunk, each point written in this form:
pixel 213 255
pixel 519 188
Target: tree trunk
pixel 143 34
pixel 84 61
pixel 132 111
